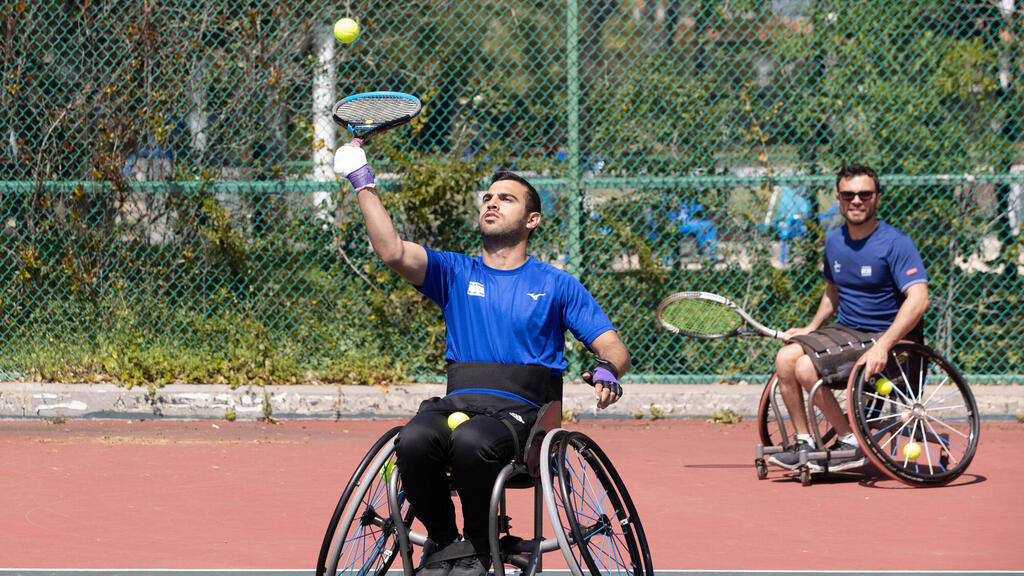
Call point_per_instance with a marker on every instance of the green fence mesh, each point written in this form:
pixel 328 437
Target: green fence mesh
pixel 169 213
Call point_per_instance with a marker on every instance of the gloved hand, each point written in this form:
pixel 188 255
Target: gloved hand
pixel 350 162
pixel 606 374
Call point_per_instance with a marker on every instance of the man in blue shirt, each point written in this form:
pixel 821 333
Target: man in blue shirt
pixel 506 314
pixel 876 285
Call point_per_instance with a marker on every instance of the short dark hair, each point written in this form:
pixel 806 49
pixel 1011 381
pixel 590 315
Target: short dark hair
pixel 532 198
pixel 853 170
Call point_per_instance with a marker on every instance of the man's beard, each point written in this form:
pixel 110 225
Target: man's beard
pixel 501 238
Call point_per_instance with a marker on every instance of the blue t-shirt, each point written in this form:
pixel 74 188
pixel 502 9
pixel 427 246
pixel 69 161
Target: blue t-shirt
pixel 510 316
pixel 871 275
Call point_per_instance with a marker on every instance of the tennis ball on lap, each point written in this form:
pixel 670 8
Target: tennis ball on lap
pixel 385 471
pixel 346 30
pixel 912 450
pixel 883 386
pixel 456 418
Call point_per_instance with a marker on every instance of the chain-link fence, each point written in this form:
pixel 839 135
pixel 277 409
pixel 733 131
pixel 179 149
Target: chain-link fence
pixel 169 213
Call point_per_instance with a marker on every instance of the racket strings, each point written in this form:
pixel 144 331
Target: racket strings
pixel 378 110
pixel 701 317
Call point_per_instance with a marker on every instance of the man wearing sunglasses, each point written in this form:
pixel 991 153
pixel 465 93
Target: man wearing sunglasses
pixel 876 286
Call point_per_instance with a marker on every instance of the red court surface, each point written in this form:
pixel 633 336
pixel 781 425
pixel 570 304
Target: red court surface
pixel 216 495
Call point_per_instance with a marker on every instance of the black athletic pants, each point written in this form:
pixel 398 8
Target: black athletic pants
pixel 475 452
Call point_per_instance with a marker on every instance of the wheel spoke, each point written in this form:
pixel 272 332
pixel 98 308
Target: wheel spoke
pixel 604 535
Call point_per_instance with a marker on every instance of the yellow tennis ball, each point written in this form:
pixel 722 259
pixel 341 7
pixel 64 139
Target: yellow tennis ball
pixel 912 450
pixel 456 418
pixel 385 470
pixel 883 386
pixel 346 30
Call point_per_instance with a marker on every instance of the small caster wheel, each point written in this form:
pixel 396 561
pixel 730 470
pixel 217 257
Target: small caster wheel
pixel 762 468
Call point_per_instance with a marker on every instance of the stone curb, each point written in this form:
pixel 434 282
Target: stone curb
pixel 200 401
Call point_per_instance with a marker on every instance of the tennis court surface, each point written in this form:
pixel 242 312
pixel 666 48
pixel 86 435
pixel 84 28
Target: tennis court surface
pixel 212 497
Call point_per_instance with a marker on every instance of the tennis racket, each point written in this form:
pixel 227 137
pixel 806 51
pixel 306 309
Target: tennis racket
pixel 371 113
pixel 708 317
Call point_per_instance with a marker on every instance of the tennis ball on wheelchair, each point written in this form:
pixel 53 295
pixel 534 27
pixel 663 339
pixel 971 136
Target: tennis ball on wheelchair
pixel 346 30
pixel 456 418
pixel 912 450
pixel 385 470
pixel 883 386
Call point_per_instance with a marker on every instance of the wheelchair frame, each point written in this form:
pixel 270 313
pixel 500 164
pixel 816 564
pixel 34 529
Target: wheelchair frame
pixel 930 405
pixel 371 524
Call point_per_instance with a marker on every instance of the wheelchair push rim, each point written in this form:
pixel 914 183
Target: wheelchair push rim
pixel 924 431
pixel 596 514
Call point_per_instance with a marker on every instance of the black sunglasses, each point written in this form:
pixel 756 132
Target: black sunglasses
pixel 864 195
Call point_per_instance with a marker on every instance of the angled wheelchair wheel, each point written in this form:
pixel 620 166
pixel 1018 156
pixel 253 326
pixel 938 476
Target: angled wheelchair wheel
pixel 361 538
pixel 594 518
pixel 774 425
pixel 924 430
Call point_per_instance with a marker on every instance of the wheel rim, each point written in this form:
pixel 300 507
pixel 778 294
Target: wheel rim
pixel 775 430
pixel 366 543
pixel 603 521
pixel 930 405
pixel 768 424
pixel 555 504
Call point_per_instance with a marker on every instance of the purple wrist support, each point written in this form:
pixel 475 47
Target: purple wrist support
pixel 603 375
pixel 361 178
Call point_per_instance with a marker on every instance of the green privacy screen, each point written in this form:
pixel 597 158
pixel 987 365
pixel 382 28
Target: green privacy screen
pixel 169 212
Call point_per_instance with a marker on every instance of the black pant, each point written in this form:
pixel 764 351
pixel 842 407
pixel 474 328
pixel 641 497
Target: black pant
pixel 475 452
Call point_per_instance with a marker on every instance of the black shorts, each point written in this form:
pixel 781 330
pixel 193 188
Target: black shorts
pixel 835 349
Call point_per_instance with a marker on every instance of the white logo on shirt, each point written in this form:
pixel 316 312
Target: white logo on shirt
pixel 535 296
pixel 865 271
pixel 475 289
pixel 835 266
pixel 517 416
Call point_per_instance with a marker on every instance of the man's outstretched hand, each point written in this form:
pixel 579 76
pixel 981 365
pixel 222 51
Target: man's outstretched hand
pixel 350 162
pixel 605 380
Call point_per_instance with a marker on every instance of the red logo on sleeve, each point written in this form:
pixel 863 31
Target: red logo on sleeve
pixel 911 271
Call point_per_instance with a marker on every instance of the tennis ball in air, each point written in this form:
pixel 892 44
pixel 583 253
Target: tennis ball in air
pixel 456 418
pixel 912 450
pixel 346 30
pixel 883 386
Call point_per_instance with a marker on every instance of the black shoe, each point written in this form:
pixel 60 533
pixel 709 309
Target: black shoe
pixel 790 459
pixel 840 464
pixel 471 566
pixel 439 568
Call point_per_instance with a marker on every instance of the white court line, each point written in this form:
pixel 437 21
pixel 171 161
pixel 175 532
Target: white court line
pixel 308 572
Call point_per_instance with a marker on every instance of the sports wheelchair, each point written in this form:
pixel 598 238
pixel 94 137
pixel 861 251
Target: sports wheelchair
pixel 929 406
pixel 594 521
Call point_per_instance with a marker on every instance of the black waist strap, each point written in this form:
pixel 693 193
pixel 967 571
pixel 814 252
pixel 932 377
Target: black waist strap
pixel 536 384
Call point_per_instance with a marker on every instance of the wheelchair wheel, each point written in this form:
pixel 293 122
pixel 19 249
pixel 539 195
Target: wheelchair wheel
pixel 924 432
pixel 776 428
pixel 597 524
pixel 773 428
pixel 361 538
